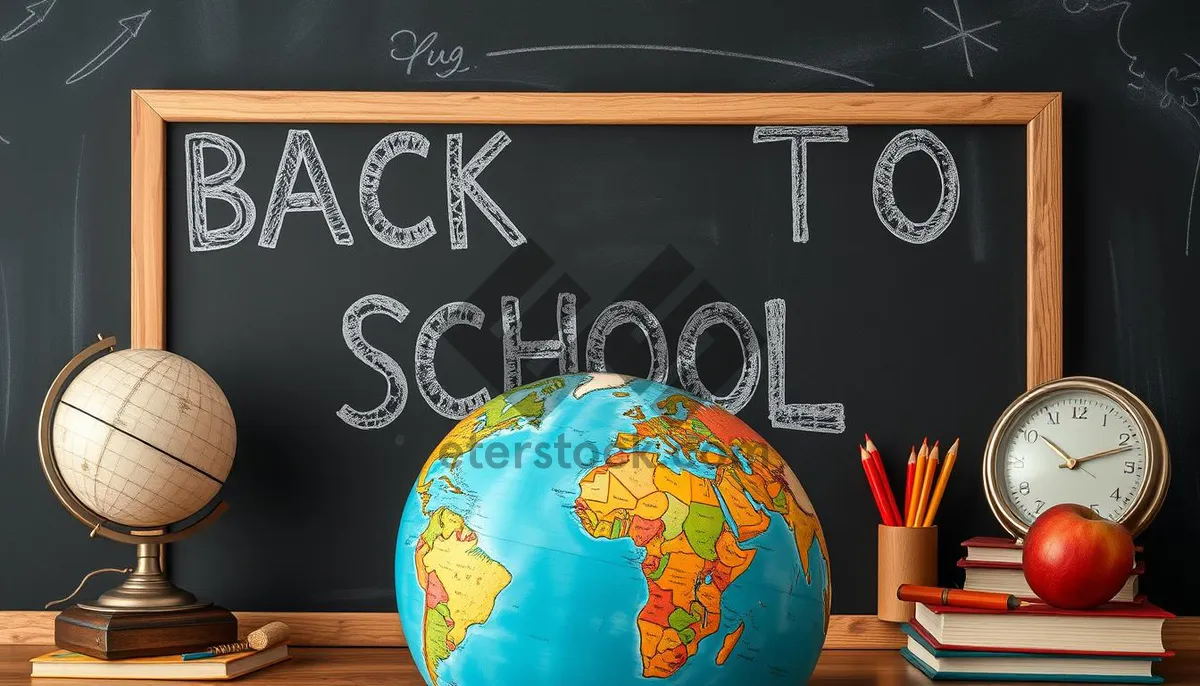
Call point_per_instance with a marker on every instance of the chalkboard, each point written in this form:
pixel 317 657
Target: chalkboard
pixel 358 288
pixel 1130 157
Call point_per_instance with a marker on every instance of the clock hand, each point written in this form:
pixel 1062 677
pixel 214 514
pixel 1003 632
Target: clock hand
pixel 1103 453
pixel 1070 461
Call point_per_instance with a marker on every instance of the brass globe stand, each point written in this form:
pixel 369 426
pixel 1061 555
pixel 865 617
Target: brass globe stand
pixel 147 614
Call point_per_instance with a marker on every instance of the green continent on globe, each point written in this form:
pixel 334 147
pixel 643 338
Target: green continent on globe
pixel 495 415
pixel 460 581
pixel 693 548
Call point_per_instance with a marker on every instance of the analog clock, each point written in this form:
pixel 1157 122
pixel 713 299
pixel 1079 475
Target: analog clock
pixel 1076 440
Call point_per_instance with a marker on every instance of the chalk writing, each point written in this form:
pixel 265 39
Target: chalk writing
pixel 1187 81
pixel 444 317
pixel 77 246
pixel 634 313
pixel 817 417
pixel 1180 87
pixel 300 152
pixel 130 26
pixel 565 348
pixel 37 15
pixel 391 146
pixel 689 376
pixel 680 49
pixel 397 385
pixel 201 186
pixel 4 140
pixel 461 181
pixel 820 417
pixel 962 34
pixel 410 50
pixel 800 137
pixel 882 192
pixel 1081 6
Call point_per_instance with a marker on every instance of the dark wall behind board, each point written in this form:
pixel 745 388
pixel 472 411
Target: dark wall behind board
pixel 641 211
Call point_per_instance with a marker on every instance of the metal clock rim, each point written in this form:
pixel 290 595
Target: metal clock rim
pixel 1158 464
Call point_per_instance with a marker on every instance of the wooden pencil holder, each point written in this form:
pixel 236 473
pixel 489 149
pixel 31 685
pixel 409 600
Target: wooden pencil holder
pixel 907 555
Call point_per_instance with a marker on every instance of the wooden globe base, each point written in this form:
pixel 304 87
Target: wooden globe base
pixel 146 615
pixel 109 635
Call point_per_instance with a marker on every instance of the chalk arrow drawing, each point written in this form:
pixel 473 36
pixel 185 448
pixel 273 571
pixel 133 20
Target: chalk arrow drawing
pixel 37 15
pixel 129 30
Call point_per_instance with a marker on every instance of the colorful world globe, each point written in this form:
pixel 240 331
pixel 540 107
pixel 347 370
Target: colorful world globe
pixel 601 529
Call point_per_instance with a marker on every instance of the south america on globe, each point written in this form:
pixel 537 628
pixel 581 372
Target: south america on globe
pixel 603 529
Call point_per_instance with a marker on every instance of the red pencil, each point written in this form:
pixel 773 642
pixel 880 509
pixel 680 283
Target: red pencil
pixel 876 488
pixel 889 495
pixel 909 475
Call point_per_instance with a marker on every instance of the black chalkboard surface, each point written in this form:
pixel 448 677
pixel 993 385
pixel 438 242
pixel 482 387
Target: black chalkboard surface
pixel 1131 141
pixel 898 338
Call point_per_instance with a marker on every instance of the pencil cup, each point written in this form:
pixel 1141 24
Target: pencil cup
pixel 907 555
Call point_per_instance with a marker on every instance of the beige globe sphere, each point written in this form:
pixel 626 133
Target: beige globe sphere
pixel 144 438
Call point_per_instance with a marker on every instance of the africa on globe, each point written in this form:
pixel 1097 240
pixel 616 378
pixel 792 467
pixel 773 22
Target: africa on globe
pixel 603 529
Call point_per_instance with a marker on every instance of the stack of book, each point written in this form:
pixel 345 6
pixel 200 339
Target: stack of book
pixel 1114 643
pixel 994 564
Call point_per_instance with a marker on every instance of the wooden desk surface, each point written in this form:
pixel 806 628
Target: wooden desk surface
pixel 394 667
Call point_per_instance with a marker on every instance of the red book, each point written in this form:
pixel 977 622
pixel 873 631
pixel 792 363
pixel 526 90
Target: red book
pixel 1007 577
pixel 1121 628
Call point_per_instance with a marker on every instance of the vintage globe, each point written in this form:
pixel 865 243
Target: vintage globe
pixel 143 438
pixel 600 529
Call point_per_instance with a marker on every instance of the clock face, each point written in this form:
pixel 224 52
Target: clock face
pixel 1073 446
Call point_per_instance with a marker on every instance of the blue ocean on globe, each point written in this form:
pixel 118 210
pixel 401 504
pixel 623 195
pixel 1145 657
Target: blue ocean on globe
pixel 601 529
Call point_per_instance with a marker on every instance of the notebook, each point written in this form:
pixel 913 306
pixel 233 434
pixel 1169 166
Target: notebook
pixel 66 664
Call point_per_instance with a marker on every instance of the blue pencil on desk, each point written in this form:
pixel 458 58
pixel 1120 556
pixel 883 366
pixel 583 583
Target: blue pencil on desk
pixel 260 639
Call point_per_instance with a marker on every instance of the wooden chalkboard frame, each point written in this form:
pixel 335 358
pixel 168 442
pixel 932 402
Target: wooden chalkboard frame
pixel 1039 113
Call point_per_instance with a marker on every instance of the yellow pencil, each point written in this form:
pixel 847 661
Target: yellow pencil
pixel 927 486
pixel 943 478
pixel 911 514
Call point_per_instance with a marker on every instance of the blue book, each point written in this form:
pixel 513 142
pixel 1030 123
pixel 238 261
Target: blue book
pixel 978 665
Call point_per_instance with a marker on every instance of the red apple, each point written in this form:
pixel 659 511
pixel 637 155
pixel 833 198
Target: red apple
pixel 1075 559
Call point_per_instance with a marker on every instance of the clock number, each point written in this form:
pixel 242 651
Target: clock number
pixel 1104 420
pixel 1052 417
pixel 1129 466
pixel 1095 507
pixel 1079 412
pixel 1125 438
pixel 1116 494
pixel 1031 436
pixel 1038 505
pixel 1024 488
pixel 1017 461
